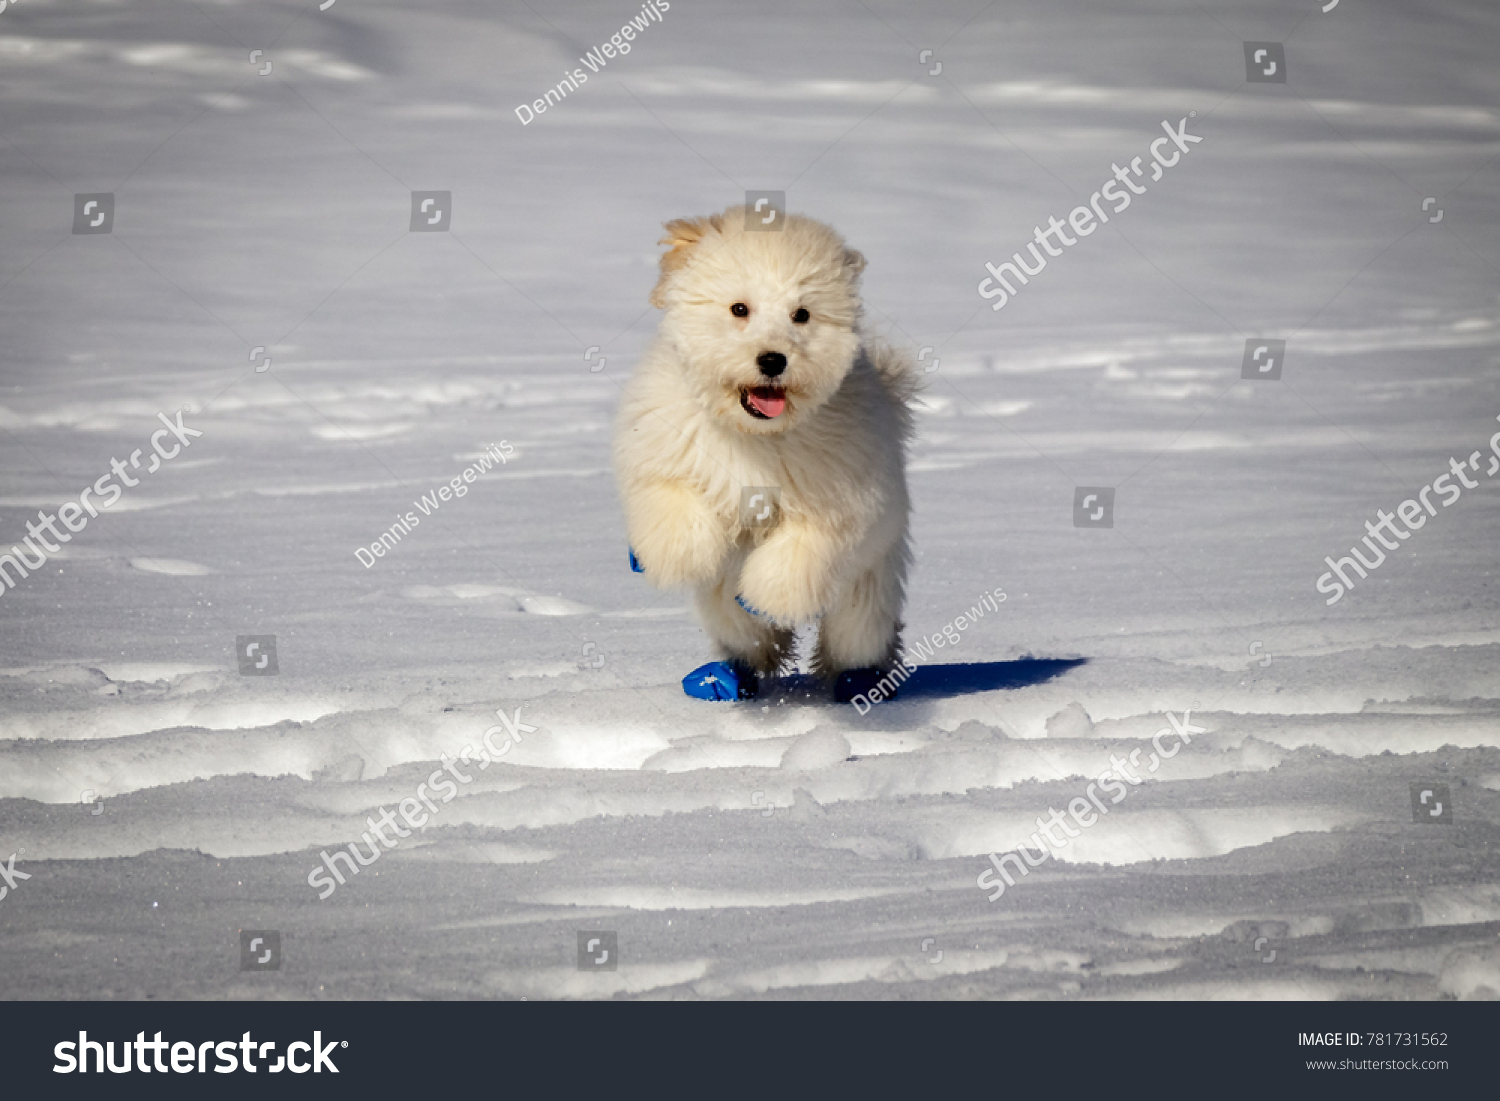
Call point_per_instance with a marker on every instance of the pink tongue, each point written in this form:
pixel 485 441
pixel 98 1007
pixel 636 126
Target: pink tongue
pixel 768 403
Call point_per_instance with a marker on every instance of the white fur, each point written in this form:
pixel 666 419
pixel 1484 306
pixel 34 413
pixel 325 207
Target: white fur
pixel 685 447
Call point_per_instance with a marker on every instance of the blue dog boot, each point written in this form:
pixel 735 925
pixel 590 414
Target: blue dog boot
pixel 721 680
pixel 858 682
pixel 635 563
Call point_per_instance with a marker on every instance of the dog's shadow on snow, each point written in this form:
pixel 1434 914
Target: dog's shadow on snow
pixel 940 682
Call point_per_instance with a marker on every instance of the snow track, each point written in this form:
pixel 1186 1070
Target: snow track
pixel 1299 798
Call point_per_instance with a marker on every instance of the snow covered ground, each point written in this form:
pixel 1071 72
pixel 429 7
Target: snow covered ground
pixel 162 802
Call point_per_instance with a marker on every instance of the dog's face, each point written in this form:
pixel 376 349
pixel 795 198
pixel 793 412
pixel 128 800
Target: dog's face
pixel 766 322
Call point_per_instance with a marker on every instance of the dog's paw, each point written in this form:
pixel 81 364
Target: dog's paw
pixel 676 564
pixel 722 680
pixel 783 599
pixel 675 539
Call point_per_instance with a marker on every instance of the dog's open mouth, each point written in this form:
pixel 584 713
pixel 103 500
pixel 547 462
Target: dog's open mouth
pixel 763 402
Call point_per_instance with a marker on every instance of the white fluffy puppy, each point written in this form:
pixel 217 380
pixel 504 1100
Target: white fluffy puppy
pixel 760 379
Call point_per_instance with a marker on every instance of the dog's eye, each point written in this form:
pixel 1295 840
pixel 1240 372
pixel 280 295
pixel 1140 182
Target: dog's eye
pixel 739 309
pixel 801 317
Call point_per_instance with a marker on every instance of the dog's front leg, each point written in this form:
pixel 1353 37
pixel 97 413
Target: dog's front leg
pixel 792 576
pixel 677 538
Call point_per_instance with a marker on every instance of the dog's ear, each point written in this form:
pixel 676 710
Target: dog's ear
pixel 683 236
pixel 854 262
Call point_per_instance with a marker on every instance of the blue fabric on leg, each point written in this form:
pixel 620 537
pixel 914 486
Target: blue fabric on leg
pixel 756 612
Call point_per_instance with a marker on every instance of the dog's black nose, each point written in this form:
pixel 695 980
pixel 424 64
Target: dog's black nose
pixel 771 364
